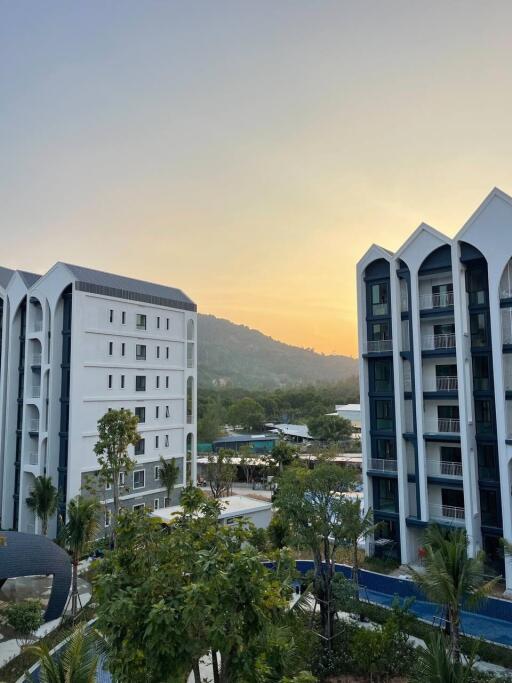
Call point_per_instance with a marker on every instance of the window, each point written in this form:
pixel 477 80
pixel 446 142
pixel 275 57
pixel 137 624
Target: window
pixel 140 352
pixel 108 517
pixel 110 348
pixel 140 383
pixel 483 417
pixel 157 382
pixel 157 322
pixel 442 295
pixel 111 315
pixel 380 331
pixel 382 376
pixel 451 461
pixel 123 317
pixel 444 336
pixel 478 327
pixel 386 497
pixel 140 321
pixel 383 415
pixel 167 440
pixel 167 323
pixel 379 299
pixel 157 473
pixel 108 486
pixel 384 449
pixel 167 382
pixel 139 479
pixel 167 502
pixel 157 411
pixel 139 506
pixel 157 441
pixel 481 375
pixel 487 462
pixel 451 498
pixel 140 412
pixel 122 381
pixel 123 349
pixel 158 352
pixel 156 504
pixel 110 381
pixel 167 411
pixel 448 412
pixel 139 447
pixel 477 287
pixel 167 353
pixel 122 478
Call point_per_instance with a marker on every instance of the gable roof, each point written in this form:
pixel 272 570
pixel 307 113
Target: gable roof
pixel 5 275
pixel 100 282
pixel 28 278
pixel 422 227
pixel 495 193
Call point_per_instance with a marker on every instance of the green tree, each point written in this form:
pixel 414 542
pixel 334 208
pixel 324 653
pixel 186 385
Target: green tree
pixel 43 500
pixel 311 501
pixel 77 534
pixel 117 430
pixel 283 455
pixel 221 472
pixel 330 428
pixel 25 618
pixel 76 664
pixel 169 475
pixel 451 578
pixel 356 527
pixel 208 425
pixel 166 600
pixel 246 413
pixel 436 665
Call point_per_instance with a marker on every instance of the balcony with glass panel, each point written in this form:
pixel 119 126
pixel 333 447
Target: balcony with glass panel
pixel 444 461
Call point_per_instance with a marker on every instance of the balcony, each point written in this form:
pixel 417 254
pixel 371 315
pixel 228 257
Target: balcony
pixel 36 391
pixel 447 513
pixel 433 301
pixel 382 465
pixel 37 325
pixel 435 342
pixel 33 458
pixel 447 383
pixel 33 424
pixel 378 346
pixel 444 425
pixel 36 359
pixel 441 468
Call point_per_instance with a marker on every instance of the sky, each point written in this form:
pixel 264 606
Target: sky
pixel 248 152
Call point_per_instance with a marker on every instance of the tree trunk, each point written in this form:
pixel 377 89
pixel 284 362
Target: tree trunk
pixel 74 589
pixel 197 672
pixel 44 525
pixel 455 633
pixel 115 491
pixel 215 667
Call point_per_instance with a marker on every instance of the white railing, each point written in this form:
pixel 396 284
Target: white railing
pixel 383 465
pixel 378 346
pixel 442 300
pixel 407 384
pixel 36 359
pixel 34 424
pixel 33 458
pixel 444 425
pixel 447 383
pixel 444 469
pixel 431 342
pixel 447 512
pixel 37 325
pixel 36 391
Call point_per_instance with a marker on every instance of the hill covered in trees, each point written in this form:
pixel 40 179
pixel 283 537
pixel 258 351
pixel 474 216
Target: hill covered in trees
pixel 231 355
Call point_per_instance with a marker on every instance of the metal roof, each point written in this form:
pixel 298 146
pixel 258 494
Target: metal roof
pixel 239 438
pixel 28 278
pixel 5 276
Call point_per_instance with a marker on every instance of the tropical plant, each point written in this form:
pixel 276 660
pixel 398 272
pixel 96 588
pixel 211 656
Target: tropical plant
pixel 356 527
pixel 77 663
pixel 79 531
pixel 117 430
pixel 221 472
pixel 436 665
pixel 43 500
pixel 282 455
pixel 451 578
pixel 25 618
pixel 169 475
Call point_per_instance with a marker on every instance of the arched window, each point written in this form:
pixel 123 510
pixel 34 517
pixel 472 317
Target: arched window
pixel 506 282
pixel 190 400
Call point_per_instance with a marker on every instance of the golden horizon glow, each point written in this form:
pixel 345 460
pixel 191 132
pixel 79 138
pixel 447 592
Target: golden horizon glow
pixel 248 154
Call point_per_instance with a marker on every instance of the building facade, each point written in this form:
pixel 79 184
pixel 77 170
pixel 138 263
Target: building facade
pixel 74 343
pixel 435 343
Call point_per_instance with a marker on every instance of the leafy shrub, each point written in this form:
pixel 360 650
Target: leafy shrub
pixel 25 618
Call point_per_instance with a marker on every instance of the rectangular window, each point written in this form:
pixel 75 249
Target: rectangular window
pixel 140 321
pixel 139 479
pixel 110 348
pixel 481 375
pixel 110 381
pixel 139 447
pixel 382 376
pixel 380 331
pixel 387 495
pixel 122 381
pixel 483 417
pixel 111 315
pixel 476 281
pixel 487 462
pixel 384 449
pixel 123 317
pixel 138 506
pixel 140 412
pixel 167 353
pixel 383 415
pixel 157 322
pixel 167 323
pixel 122 478
pixel 444 336
pixel 478 327
pixel 140 352
pixel 157 411
pixel 167 502
pixel 156 504
pixel 167 382
pixel 158 352
pixel 157 441
pixel 490 509
pixel 167 411
pixel 379 294
pixel 157 473
pixel 123 349
pixel 451 498
pixel 167 440
pixel 442 295
pixel 140 383
pixel 157 382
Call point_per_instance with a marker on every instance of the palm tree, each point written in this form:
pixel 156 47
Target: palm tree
pixel 79 531
pixel 77 663
pixel 169 473
pixel 451 578
pixel 354 529
pixel 43 499
pixel 436 665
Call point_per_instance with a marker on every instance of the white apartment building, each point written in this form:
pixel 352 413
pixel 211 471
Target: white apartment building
pixel 435 343
pixel 76 342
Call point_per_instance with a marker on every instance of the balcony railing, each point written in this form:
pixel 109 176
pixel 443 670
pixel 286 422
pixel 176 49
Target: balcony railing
pixel 36 391
pixel 444 425
pixel 382 465
pixel 442 300
pixel 33 458
pixel 447 513
pixel 432 342
pixel 441 468
pixel 36 359
pixel 447 383
pixel 37 325
pixel 378 346
pixel 407 384
pixel 34 424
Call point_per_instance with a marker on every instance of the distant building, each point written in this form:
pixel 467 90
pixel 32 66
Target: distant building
pixel 259 512
pixel 258 443
pixel 291 432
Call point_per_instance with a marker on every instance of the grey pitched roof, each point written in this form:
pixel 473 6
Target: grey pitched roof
pixel 123 287
pixel 28 278
pixel 5 275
